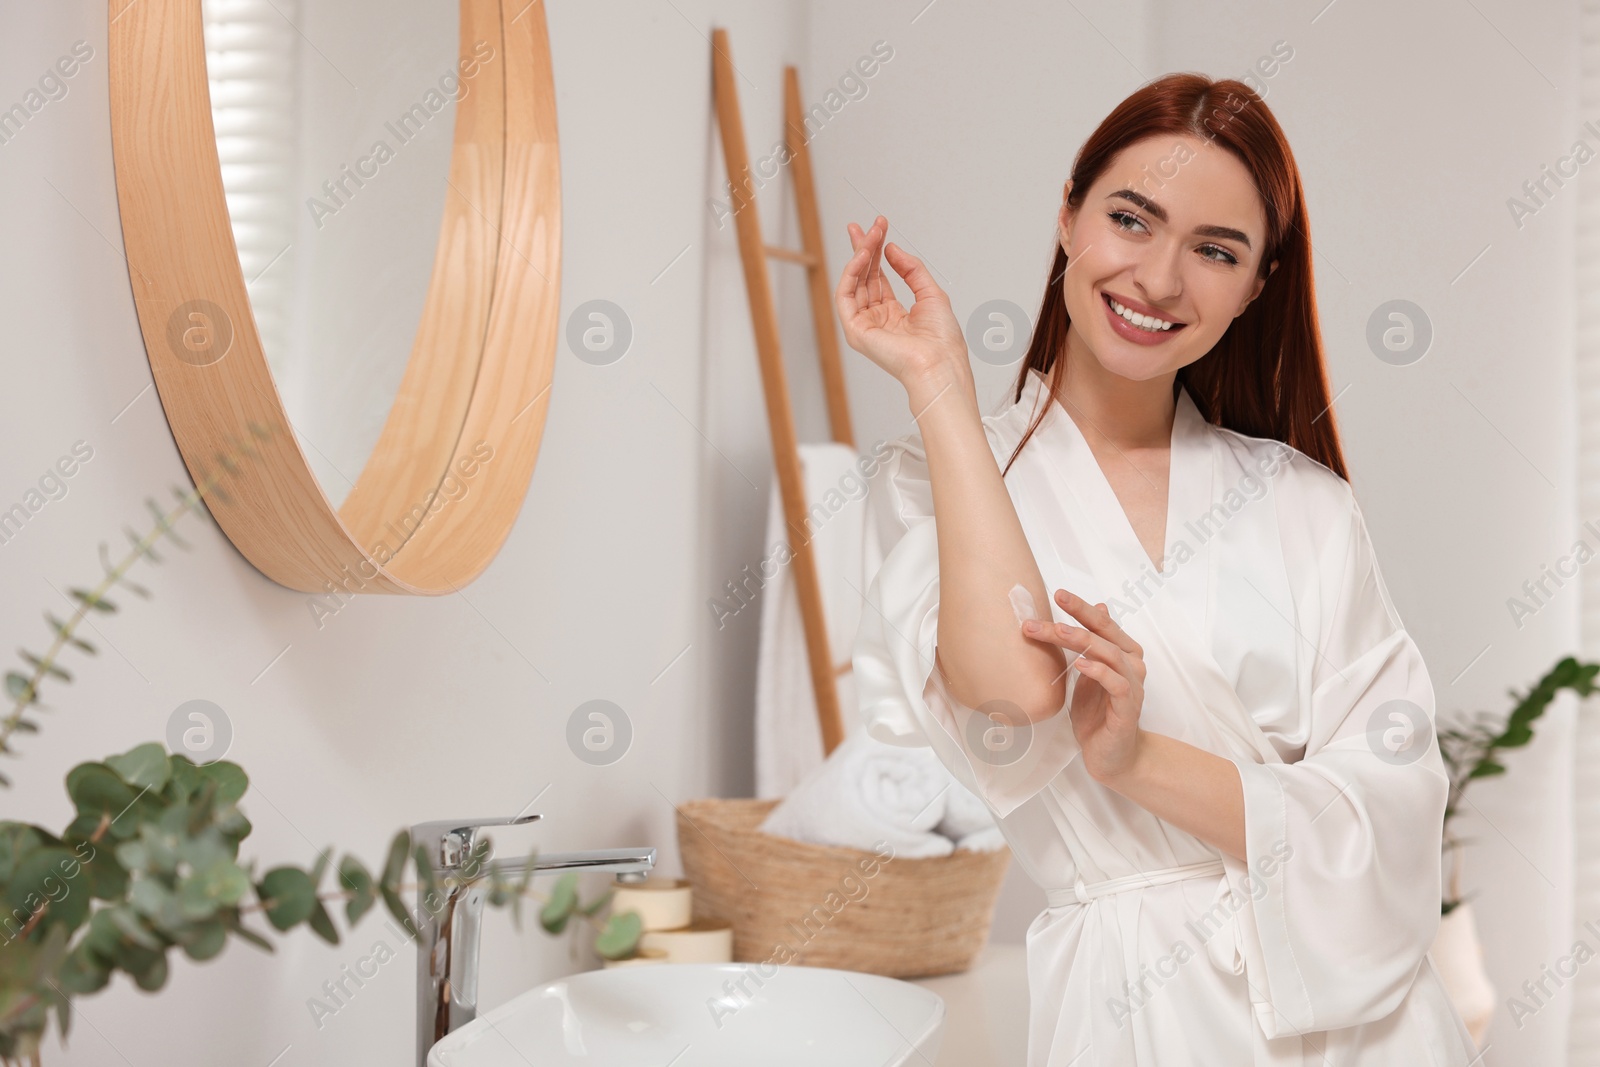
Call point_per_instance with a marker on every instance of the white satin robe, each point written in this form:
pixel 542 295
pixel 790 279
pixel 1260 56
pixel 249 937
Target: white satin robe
pixel 1271 640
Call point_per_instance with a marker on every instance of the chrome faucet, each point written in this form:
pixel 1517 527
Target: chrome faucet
pixel 447 935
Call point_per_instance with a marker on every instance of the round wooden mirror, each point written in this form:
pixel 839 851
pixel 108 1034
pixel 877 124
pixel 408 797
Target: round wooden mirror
pixel 443 483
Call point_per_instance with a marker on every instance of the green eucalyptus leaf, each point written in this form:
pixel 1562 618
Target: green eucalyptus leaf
pixel 83 972
pixel 231 780
pixel 318 868
pixel 234 826
pixel 16 841
pixel 321 924
pixel 64 630
pixel 101 938
pixel 558 909
pixel 16 967
pixel 90 600
pixel 63 1006
pixel 97 790
pixel 49 879
pixel 108 880
pixel 183 777
pixel 19 687
pixel 144 767
pixel 162 843
pixel 397 908
pixel 51 952
pixel 499 888
pixel 83 827
pixel 133 856
pixel 354 877
pixel 395 865
pixel 152 899
pixel 26 1018
pixel 601 901
pixel 153 975
pixel 221 884
pixel 134 933
pixel 620 936
pixel 236 926
pixel 204 848
pixel 287 896
pixel 204 940
pixel 47 666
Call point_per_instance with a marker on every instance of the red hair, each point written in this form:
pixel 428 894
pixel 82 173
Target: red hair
pixel 1265 376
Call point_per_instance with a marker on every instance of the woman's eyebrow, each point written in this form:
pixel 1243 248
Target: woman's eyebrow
pixel 1226 232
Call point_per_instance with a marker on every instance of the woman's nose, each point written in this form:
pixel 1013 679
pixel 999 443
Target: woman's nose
pixel 1157 273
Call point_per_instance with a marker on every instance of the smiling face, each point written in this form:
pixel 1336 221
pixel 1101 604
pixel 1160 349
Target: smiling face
pixel 1173 230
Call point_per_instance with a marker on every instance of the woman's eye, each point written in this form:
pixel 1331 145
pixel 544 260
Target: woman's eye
pixel 1226 256
pixel 1118 217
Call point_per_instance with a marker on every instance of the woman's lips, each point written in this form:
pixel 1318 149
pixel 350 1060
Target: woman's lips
pixel 1136 334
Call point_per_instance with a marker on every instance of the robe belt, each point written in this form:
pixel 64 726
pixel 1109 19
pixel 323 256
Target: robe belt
pixel 1120 1031
pixel 1082 893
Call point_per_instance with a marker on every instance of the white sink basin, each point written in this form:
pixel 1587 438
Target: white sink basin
pixel 694 1015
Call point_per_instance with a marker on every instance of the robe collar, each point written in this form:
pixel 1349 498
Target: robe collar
pixel 1189 491
pixel 1174 638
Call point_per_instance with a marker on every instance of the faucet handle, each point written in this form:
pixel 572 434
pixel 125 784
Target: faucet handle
pixel 450 841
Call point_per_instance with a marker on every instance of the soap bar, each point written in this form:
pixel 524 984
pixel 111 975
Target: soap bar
pixel 653 955
pixel 664 904
pixel 703 941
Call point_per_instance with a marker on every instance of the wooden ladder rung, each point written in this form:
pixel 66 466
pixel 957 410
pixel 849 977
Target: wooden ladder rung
pixel 792 255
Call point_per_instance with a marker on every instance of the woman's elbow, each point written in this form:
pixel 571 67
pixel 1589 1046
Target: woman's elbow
pixel 1049 704
pixel 1019 708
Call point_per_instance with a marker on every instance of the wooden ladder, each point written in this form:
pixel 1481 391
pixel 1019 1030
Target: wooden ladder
pixel 763 314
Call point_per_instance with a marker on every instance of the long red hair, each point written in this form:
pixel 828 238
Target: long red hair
pixel 1265 376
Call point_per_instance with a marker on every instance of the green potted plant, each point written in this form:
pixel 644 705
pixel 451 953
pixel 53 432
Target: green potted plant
pixel 1470 752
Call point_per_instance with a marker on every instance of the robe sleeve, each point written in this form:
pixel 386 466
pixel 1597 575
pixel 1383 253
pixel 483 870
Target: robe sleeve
pixel 901 695
pixel 1340 887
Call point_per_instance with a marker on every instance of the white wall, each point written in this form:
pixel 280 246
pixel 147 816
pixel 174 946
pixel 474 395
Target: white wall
pixel 1412 127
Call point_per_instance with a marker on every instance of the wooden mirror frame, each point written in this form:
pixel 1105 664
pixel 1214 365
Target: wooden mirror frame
pixel 476 389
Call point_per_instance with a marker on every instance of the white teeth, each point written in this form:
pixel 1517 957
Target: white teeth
pixel 1144 322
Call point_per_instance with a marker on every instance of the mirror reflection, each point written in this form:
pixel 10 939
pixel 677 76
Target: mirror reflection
pixel 334 124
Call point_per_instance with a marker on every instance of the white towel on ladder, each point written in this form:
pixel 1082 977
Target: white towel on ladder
pixel 788 733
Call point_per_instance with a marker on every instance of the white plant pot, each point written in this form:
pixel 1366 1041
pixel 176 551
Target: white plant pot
pixel 1459 958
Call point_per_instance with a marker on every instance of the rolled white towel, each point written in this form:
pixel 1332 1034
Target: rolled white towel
pixel 964 813
pixel 867 791
pixel 990 840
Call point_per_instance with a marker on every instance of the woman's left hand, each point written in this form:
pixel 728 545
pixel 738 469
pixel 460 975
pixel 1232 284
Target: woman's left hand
pixel 1108 698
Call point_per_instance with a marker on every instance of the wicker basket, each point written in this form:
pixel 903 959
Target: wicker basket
pixel 795 902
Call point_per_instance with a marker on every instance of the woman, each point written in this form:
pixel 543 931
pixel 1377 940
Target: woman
pixel 1225 775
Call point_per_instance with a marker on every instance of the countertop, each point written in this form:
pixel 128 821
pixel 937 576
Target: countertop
pixel 986 1009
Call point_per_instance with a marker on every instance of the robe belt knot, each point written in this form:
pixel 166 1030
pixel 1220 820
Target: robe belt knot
pixel 1083 893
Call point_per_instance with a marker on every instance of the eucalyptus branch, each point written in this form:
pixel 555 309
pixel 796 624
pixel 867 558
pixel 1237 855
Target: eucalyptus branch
pixel 23 687
pixel 150 868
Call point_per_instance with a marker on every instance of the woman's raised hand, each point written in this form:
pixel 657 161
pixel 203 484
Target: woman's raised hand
pixel 915 345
